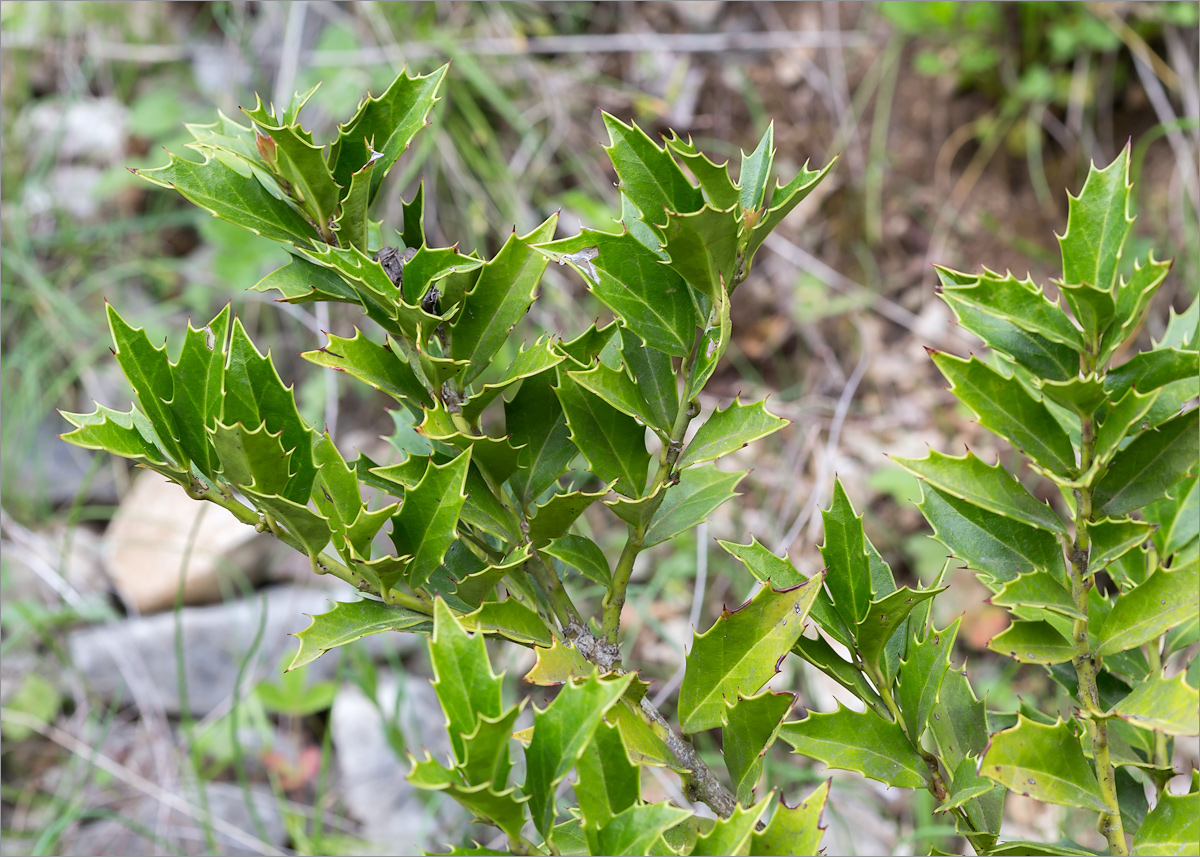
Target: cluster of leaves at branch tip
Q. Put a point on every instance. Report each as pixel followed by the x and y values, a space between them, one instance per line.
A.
pixel 504 446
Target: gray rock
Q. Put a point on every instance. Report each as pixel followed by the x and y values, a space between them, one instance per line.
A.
pixel 396 818
pixel 134 660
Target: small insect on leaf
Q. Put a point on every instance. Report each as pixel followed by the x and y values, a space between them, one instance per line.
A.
pixel 210 339
pixel 583 258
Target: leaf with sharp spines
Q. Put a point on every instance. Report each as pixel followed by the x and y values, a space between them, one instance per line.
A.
pixel 619 390
pixel 714 341
pixel 702 247
pixel 858 741
pixel 1044 762
pixel 302 522
pixel 1122 418
pixel 821 655
pixel 731 835
pixel 1143 471
pixel 301 164
pixel 503 809
pixel 386 124
pixel 512 620
pixel 475 581
pixel 612 442
pixel 990 487
pixel 351 224
pixel 1098 221
pixel 967 785
pixel 529 362
pixel 304 281
pixel 793 829
pixel 1183 329
pixel 585 348
pixel 1019 302
pixel 1035 592
pixel 425 525
pixel 750 727
pixel 582 554
pixel 486 759
pixel 561 733
pixel 1162 705
pixel 127 434
pixel 655 377
pixel 1165 600
pixel 1111 539
pixel 651 299
pixel 558 664
pixel 1032 642
pixel 959 726
pixel 1080 395
pixel 636 830
pixel 701 490
pixel 755 169
pixel 783 199
pixel 845 556
pixel 921 675
pixel 555 516
pixel 729 430
pixel 430 265
pixel 199 376
pixel 496 456
pixel 1172 827
pixel 501 296
pixel 1177 517
pixel 537 425
pixel 609 783
pixel 638 512
pixel 1132 300
pixel 1003 406
pixel 714 178
pixel 339 499
pixel 996 546
pixel 741 651
pixel 233 195
pixel 885 616
pixel 1174 369
pixel 253 458
pixel 648 174
pixel 463 679
pixel 382 366
pixel 1094 308
pixel 348 621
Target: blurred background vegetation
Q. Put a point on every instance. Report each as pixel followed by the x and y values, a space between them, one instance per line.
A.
pixel 959 125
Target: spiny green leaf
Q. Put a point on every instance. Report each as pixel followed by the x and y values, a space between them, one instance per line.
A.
pixel 1097 222
pixel 750 727
pixel 651 299
pixel 1044 762
pixel 486 759
pixel 233 195
pixel 783 199
pixel 494 455
pixel 921 675
pixel 127 434
pixel 462 676
pixel 884 617
pixel 502 295
pixel 794 830
pixel 301 164
pixel 1093 307
pixel 1163 705
pixel 655 377
pixel 1082 395
pixel 618 389
pixel 531 361
pixel 731 835
pixel 413 213
pixel 582 554
pixel 966 785
pixel 348 621
pixel 1132 301
pixel 714 341
pixel 382 366
pixel 351 223
pixel 253 458
pixel 585 348
pixel 702 247
pixel 302 522
pixel 425 524
pixel 1165 600
pixel 386 125
pixel 845 556
pixel 555 516
pixel 1122 418
pixel 1111 539
pixel 729 430
pixel 1172 827
pixel 755 169
pixel 741 651
pixel 1174 371
pixel 987 486
pixel 699 492
pixel 1019 302
pixel 1033 642
pixel 635 830
pixel 503 809
pixel 430 265
pixel 1035 592
pixel 536 425
pixel 1143 471
pixel 1003 406
pixel 714 179
pixel 822 656
pixel 304 281
pixel 858 741
pixel 648 174
pixel 510 619
pixel 557 664
pixel 998 547
pixel 612 442
pixel 608 782
pixel 959 726
pixel 1177 517
pixel 561 732
pixel 199 376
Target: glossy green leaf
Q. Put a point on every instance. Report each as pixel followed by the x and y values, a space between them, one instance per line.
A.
pixel 1026 848
pixel 612 442
pixel 699 492
pixel 652 300
pixel 730 835
pixel 425 525
pixel 1078 394
pixel 463 679
pixel 561 733
pixel 1173 372
pixel 749 731
pixel 1111 539
pixel 430 265
pixel 582 554
pixel 1003 406
pixel 1032 642
pixel 608 782
pixel 302 280
pixel 702 247
pixel 554 517
pixel 740 652
pixel 618 389
pixel 991 544
pixel 302 522
pixel 557 664
pixel 822 655
pixel 386 124
pixel 987 486
pixel 635 830
pixel 351 224
pixel 1163 705
pixel 729 430
pixel 1019 302
pixel 655 378
pixel 1097 222
pixel 301 166
pixel 644 745
pixel 528 363
pixel 253 458
pixel 1045 359
pixel 234 195
pixel 921 675
pixel 1177 517
pixel 382 366
pixel 1094 308
pixel 502 295
pixel 755 170
pixel 1166 599
pixel 793 830
pixel 537 425
pixel 348 621
pixel 884 617
pixel 1037 591
pixel 1122 419
pixel 966 785
pixel 1171 828
pixel 199 376
pixel 858 741
pixel 486 758
pixel 844 552
pixel 127 434
pixel 1132 300
pixel 783 199
pixel 959 726
pixel 1143 471
pixel 714 179
pixel 1044 762
pixel 501 808
pixel 495 456
pixel 714 341
pixel 511 619
pixel 648 174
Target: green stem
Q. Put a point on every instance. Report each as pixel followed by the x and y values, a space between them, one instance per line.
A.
pixel 1162 752
pixel 560 601
pixel 1109 822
